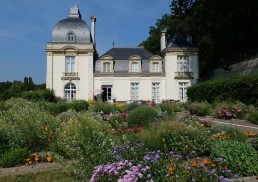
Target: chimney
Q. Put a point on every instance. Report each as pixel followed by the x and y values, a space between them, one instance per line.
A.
pixel 93 21
pixel 163 40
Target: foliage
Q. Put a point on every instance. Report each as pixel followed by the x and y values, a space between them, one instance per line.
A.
pixel 105 108
pixel 131 106
pixel 26 125
pixel 254 143
pixel 199 108
pixel 116 121
pixel 142 116
pixel 240 157
pixel 13 157
pixel 38 95
pixel 168 108
pixel 206 21
pixel 229 110
pixel 254 117
pixel 186 137
pixel 233 88
pixel 87 141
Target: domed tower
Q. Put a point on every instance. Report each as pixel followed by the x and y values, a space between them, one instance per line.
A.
pixel 70 57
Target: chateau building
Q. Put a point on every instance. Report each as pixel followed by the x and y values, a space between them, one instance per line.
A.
pixel 74 71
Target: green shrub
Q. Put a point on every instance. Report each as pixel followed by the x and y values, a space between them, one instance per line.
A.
pixel 241 158
pixel 39 95
pixel 115 121
pixel 229 110
pixel 14 157
pixel 141 116
pixel 167 108
pixel 26 125
pixel 254 143
pixel 233 88
pixel 87 141
pixel 254 117
pixel 131 106
pixel 236 134
pixel 78 105
pixel 199 108
pixel 105 108
pixel 57 108
pixel 4 140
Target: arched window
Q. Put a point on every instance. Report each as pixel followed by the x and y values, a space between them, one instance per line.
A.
pixel 71 37
pixel 106 67
pixel 135 67
pixel 155 67
pixel 70 91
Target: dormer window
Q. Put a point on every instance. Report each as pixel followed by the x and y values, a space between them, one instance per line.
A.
pixel 106 67
pixel 107 64
pixel 71 37
pixel 135 64
pixel 156 64
pixel 135 67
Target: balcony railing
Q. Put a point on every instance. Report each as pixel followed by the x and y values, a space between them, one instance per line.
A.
pixel 183 75
pixel 70 76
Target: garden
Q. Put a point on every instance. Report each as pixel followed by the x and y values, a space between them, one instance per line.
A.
pixel 118 142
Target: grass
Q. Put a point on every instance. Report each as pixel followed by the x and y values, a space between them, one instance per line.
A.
pixel 47 176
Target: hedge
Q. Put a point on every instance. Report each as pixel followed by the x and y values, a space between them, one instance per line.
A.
pixel 242 88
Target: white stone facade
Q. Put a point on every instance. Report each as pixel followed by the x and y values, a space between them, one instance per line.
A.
pixel 73 73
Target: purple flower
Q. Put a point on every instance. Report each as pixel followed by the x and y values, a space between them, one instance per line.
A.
pixel 236 176
pixel 227 180
pixel 228 171
pixel 221 177
pixel 189 168
pixel 167 175
pixel 148 175
pixel 202 165
pixel 220 159
pixel 171 153
pixel 193 180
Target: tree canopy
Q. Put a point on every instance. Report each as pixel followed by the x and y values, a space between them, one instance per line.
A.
pixel 220 29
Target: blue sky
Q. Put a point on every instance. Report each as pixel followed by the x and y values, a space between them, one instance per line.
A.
pixel 26 27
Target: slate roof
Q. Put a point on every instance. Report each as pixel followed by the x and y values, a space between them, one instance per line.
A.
pixel 178 41
pixel 123 53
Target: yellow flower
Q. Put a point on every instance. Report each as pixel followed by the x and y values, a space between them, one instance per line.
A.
pixel 49 159
pixel 36 159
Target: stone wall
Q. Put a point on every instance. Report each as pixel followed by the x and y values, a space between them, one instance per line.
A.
pixel 242 68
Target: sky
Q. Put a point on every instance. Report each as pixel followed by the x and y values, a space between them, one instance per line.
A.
pixel 26 26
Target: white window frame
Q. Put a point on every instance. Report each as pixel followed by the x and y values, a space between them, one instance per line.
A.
pixel 135 67
pixel 155 92
pixel 70 91
pixel 106 67
pixel 183 91
pixel 183 64
pixel 70 64
pixel 135 87
pixel 155 66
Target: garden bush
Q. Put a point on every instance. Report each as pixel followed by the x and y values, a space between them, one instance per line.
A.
pixel 13 157
pixel 78 105
pixel 199 108
pixel 131 106
pixel 229 110
pixel 241 158
pixel 105 108
pixel 116 121
pixel 168 108
pixel 39 95
pixel 87 141
pixel 242 88
pixel 27 126
pixel 142 116
pixel 254 117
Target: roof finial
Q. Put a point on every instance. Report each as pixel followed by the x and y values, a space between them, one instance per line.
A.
pixel 113 43
pixel 76 4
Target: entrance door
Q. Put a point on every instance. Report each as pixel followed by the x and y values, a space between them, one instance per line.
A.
pixel 107 93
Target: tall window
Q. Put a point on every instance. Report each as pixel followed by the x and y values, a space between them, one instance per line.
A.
pixel 106 67
pixel 183 64
pixel 71 37
pixel 155 67
pixel 70 64
pixel 135 67
pixel 156 92
pixel 183 91
pixel 70 91
pixel 134 91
